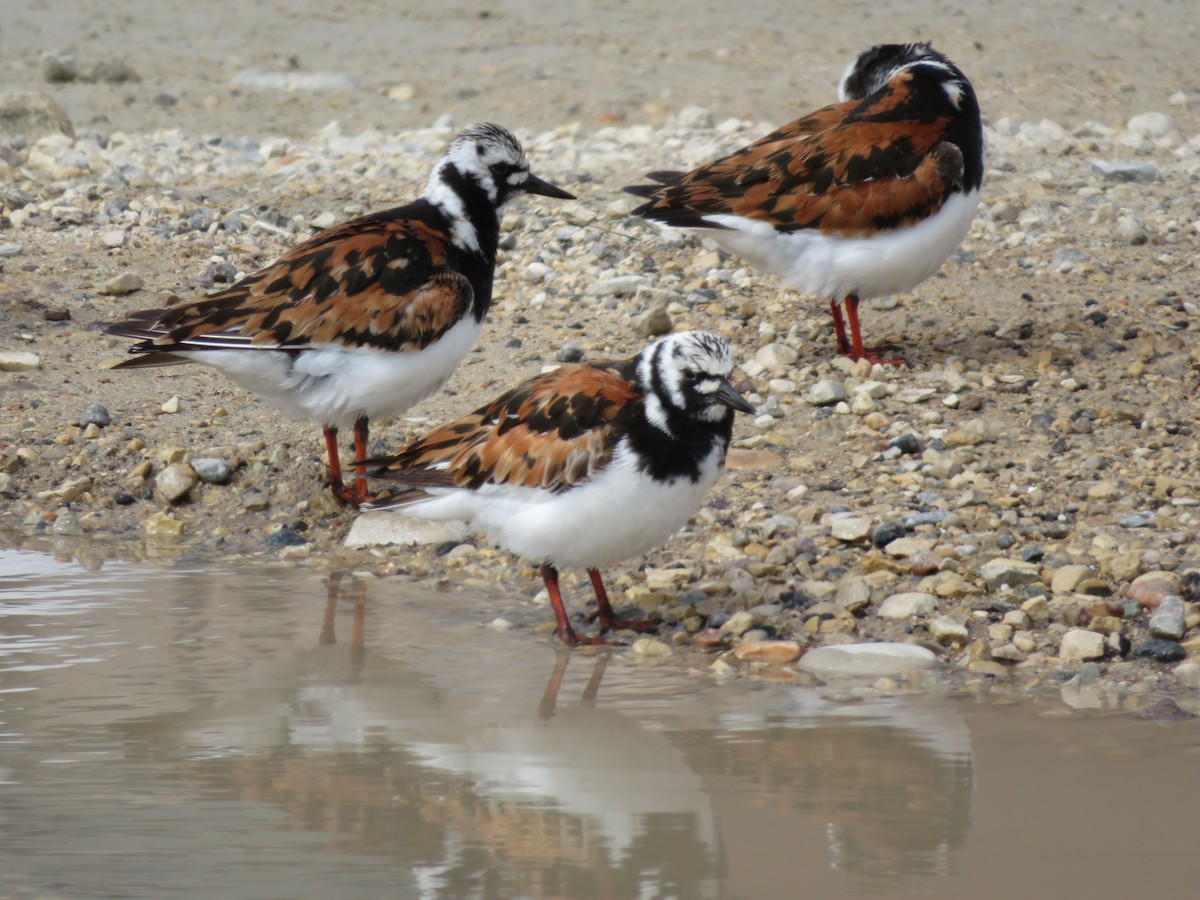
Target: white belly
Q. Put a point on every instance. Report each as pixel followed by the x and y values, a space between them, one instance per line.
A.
pixel 622 513
pixel 833 267
pixel 334 386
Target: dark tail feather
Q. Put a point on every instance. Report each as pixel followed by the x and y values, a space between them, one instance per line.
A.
pixel 150 359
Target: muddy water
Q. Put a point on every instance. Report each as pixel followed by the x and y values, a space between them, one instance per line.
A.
pixel 199 731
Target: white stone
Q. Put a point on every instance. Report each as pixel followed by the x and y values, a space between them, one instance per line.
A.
pixel 907 605
pixel 1079 644
pixel 17 361
pixel 867 660
pixel 775 356
pixel 1011 572
pixel 823 393
pixel 1153 124
pixel 849 528
pixel 380 528
pixel 948 630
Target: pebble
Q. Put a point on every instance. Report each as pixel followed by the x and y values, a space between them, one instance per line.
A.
pixel 1153 124
pixel 1078 645
pixel 867 660
pixel 1151 588
pixel 1160 650
pixel 1125 171
pixel 174 483
pixel 907 605
pixel 620 286
pixel 32 116
pixel 212 470
pixel 771 652
pixel 849 528
pixel 887 532
pixel 1010 572
pixel 777 356
pixel 380 528
pixel 651 648
pixel 570 352
pixel 1169 620
pixel 170 406
pixel 825 393
pixel 96 414
pixel 255 501
pixel 9 249
pixel 125 283
pixel 68 524
pixel 284 537
pixel 268 80
pixel 18 361
pixel 948 631
pixel 115 238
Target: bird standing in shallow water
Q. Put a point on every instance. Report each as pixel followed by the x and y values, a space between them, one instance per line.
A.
pixel 866 197
pixel 365 319
pixel 584 466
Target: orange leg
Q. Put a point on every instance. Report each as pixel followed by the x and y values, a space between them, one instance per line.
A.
pixel 839 328
pixel 564 629
pixel 882 353
pixel 609 620
pixel 358 494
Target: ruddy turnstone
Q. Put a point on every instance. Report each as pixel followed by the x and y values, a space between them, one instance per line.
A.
pixel 858 199
pixel 584 466
pixel 365 319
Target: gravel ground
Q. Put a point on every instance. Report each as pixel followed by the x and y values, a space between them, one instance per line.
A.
pixel 1022 500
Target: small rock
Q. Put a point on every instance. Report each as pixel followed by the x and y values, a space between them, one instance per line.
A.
pixel 60 68
pixel 1151 588
pixel 849 528
pixel 175 482
pixel 380 528
pixel 775 653
pixel 1188 674
pixel 739 623
pixel 1131 231
pixel 948 631
pixel 32 116
pixel 650 647
pixel 284 537
pixel 570 352
pixel 826 392
pixel 125 283
pixel 1078 645
pixel 1067 578
pixel 1169 619
pixel 164 526
pixel 907 605
pixel 1164 710
pixel 255 501
pixel 1011 572
pixel 776 356
pixel 8 250
pixel 867 660
pixel 96 414
pixel 114 238
pixel 1152 124
pixel 17 361
pixel 171 406
pixel 68 524
pixel 887 532
pixel 619 286
pixel 212 469
pixel 654 322
pixel 1160 650
pixel 1125 171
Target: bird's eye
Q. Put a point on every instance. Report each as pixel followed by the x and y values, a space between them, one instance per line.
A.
pixel 501 169
pixel 691 376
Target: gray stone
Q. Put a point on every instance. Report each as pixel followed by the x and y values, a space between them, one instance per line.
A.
pixel 68 524
pixel 255 501
pixel 9 249
pixel 1125 171
pixel 60 68
pixel 570 352
pixel 867 660
pixel 1079 644
pixel 824 393
pixel 381 527
pixel 654 322
pixel 1011 572
pixel 907 605
pixel 212 469
pixel 1065 259
pixel 175 482
pixel 619 286
pixel 32 116
pixel 1169 619
pixel 96 414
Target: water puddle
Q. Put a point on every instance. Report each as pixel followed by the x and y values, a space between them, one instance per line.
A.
pixel 263 732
